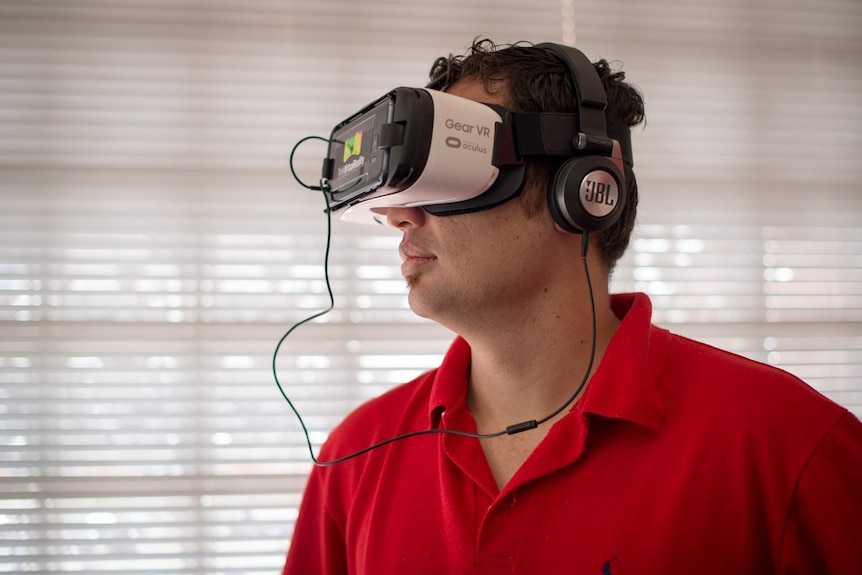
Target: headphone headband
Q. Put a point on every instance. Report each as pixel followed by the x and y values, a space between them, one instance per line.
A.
pixel 588 192
pixel 590 97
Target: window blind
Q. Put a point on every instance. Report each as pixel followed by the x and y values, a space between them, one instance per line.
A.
pixel 749 235
pixel 154 247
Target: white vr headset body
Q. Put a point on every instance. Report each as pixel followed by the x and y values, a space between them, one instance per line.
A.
pixel 456 164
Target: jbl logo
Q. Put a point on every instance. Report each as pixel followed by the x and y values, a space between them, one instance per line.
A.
pixel 599 192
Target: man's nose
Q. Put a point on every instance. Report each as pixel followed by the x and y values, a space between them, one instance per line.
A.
pixel 403 218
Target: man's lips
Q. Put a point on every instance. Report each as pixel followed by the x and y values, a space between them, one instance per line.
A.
pixel 413 258
pixel 408 251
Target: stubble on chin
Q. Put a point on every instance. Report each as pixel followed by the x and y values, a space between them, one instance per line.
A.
pixel 414 300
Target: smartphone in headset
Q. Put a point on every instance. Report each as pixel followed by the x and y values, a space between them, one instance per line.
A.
pixel 427 146
pixel 356 163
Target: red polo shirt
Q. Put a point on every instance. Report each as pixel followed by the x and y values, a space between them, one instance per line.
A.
pixel 679 459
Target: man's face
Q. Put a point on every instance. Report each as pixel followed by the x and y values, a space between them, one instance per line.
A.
pixel 474 267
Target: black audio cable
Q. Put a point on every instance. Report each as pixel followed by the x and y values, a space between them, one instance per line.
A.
pixel 510 430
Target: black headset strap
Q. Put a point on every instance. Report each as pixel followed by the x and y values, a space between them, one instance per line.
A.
pixel 623 134
pixel 553 134
pixel 550 134
pixel 590 97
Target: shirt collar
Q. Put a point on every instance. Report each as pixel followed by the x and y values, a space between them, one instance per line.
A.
pixel 450 381
pixel 624 386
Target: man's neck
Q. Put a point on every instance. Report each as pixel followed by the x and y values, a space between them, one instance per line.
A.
pixel 529 371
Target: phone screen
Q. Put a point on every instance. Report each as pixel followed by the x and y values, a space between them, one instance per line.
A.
pixel 358 163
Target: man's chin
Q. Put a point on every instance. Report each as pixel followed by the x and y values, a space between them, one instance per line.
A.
pixel 417 301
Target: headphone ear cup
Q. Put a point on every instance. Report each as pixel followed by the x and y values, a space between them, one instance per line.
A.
pixel 587 194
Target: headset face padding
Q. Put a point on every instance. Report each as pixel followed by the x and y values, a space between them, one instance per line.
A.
pixel 588 192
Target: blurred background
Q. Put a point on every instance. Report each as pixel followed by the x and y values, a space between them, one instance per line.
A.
pixel 154 246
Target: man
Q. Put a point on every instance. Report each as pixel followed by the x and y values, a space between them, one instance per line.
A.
pixel 675 458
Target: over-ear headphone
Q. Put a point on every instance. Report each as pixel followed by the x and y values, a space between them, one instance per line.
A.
pixel 588 192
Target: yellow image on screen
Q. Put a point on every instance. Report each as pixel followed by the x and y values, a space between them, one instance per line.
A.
pixel 353 146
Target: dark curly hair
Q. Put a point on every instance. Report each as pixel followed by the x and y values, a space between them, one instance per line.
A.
pixel 535 80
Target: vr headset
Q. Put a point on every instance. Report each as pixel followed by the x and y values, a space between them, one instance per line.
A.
pixel 451 155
